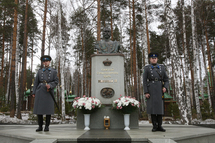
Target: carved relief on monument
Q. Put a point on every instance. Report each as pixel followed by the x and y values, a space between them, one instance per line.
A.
pixel 107 92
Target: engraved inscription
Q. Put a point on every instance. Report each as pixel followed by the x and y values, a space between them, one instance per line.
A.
pixel 107 72
pixel 107 81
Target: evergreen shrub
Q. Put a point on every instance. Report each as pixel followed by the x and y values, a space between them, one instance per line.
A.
pixel 205 110
pixel 173 109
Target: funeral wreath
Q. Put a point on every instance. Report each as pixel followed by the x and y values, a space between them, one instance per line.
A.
pixel 126 104
pixel 86 105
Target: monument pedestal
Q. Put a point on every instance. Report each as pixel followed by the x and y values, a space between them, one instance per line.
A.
pixel 116 119
pixel 107 80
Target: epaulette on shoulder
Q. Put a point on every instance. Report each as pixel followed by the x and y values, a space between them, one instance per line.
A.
pixel 148 65
pixel 160 64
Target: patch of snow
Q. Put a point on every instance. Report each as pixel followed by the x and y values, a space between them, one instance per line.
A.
pixel 208 121
pixel 195 121
pixel 172 122
pixel 6 119
pixel 143 122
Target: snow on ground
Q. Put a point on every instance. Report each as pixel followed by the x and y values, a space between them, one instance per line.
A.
pixel 6 119
pixel 143 122
pixel 207 121
pixel 32 119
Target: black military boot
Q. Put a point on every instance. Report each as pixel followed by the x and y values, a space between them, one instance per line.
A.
pixel 40 123
pixel 154 123
pixel 48 118
pixel 160 128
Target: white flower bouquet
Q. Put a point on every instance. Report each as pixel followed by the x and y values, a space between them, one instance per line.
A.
pixel 86 104
pixel 126 104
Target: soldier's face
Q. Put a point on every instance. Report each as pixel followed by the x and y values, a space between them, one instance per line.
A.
pixel 153 60
pixel 46 63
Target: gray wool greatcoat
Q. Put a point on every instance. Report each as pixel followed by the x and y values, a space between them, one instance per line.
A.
pixel 43 103
pixel 153 84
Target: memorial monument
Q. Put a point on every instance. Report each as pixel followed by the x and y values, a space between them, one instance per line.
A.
pixel 107 84
pixel 107 70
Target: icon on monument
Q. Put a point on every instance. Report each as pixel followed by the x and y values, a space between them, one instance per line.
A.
pixel 107 92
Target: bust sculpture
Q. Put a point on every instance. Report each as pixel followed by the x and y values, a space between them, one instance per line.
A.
pixel 106 46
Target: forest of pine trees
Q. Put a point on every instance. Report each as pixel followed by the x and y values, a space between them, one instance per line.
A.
pixel 182 32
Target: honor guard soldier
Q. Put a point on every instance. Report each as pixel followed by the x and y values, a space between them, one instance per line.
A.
pixel 156 83
pixel 45 82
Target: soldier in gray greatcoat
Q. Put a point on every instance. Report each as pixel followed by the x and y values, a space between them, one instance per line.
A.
pixel 45 82
pixel 156 83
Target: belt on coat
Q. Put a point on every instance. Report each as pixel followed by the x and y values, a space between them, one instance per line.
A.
pixel 155 79
pixel 44 82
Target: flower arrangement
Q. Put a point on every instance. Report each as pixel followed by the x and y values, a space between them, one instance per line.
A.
pixel 87 105
pixel 126 104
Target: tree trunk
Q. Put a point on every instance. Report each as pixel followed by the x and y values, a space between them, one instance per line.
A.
pixel 144 46
pixel 44 31
pixel 134 52
pixel 176 64
pixel 200 74
pixel 186 70
pixel 192 81
pixel 206 71
pixel 12 77
pixel 196 93
pixel 59 76
pixel 17 67
pixel 2 60
pixel 90 78
pixel 131 52
pixel 87 80
pixel 98 21
pixel 62 58
pixel 147 29
pixel 84 59
pixel 145 38
pixel 111 20
pixel 209 64
pixel 8 88
pixel 24 61
pixel 79 78
pixel 137 80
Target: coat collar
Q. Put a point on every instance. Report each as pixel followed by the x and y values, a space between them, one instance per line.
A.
pixel 156 66
pixel 44 69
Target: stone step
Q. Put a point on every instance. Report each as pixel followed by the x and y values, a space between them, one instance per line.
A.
pixel 44 141
pixel 161 141
pixel 104 136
